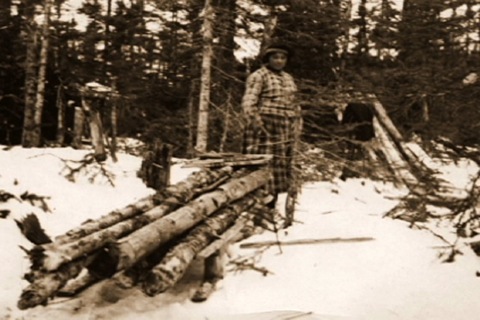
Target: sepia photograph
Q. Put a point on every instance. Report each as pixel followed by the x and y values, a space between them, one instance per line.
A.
pixel 239 159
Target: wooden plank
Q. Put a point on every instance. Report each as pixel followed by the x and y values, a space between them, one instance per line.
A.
pixel 261 244
pixel 237 160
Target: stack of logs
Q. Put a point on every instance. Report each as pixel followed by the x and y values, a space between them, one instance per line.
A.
pixel 156 237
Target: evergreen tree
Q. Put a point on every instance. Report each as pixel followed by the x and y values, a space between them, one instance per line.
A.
pixel 11 75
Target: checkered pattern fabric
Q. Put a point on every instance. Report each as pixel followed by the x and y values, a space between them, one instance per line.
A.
pixel 270 92
pixel 275 138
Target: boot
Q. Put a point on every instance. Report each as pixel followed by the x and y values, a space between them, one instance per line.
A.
pixel 272 204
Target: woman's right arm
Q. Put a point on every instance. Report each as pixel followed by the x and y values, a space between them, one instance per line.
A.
pixel 251 97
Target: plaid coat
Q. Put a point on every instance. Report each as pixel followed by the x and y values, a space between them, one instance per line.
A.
pixel 271 95
pixel 270 92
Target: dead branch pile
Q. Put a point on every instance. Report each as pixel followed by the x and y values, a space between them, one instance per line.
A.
pixel 427 193
pixel 430 198
pixel 157 237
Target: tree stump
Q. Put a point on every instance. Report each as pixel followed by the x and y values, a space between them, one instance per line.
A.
pixel 213 272
pixel 96 128
pixel 79 122
pixel 155 169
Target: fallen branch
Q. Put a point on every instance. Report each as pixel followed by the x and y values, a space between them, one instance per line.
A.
pixel 83 164
pixel 244 265
pixel 5 196
pixel 249 262
pixel 36 200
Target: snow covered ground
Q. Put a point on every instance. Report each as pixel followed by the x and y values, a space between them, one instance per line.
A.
pixel 397 274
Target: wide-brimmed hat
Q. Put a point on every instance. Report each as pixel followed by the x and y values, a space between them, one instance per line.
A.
pixel 275 48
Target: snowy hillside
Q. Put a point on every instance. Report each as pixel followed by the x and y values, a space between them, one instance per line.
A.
pixel 368 267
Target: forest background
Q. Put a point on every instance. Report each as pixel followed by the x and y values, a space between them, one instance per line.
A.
pixel 166 60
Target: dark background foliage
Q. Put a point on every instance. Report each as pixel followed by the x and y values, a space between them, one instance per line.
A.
pixel 410 57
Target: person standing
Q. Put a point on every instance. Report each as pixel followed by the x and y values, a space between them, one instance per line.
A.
pixel 272 116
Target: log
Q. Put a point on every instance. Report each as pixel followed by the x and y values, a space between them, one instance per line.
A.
pixel 179 190
pixel 173 266
pixel 91 226
pixel 129 250
pixel 46 285
pixel 74 286
pixel 231 235
pixel 51 256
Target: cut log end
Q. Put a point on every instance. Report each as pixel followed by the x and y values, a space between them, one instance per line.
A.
pixel 53 260
pixel 105 263
pixel 154 284
pixel 30 299
pixel 125 280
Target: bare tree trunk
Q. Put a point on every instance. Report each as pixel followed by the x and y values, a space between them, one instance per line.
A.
pixel 191 120
pixel 226 122
pixel 114 120
pixel 113 132
pixel 42 74
pixel 203 110
pixel 78 127
pixel 362 49
pixel 106 50
pixel 28 133
pixel 6 40
pixel 60 115
pixel 345 15
pixel 425 110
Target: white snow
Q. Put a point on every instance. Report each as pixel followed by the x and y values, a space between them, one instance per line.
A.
pixel 396 275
